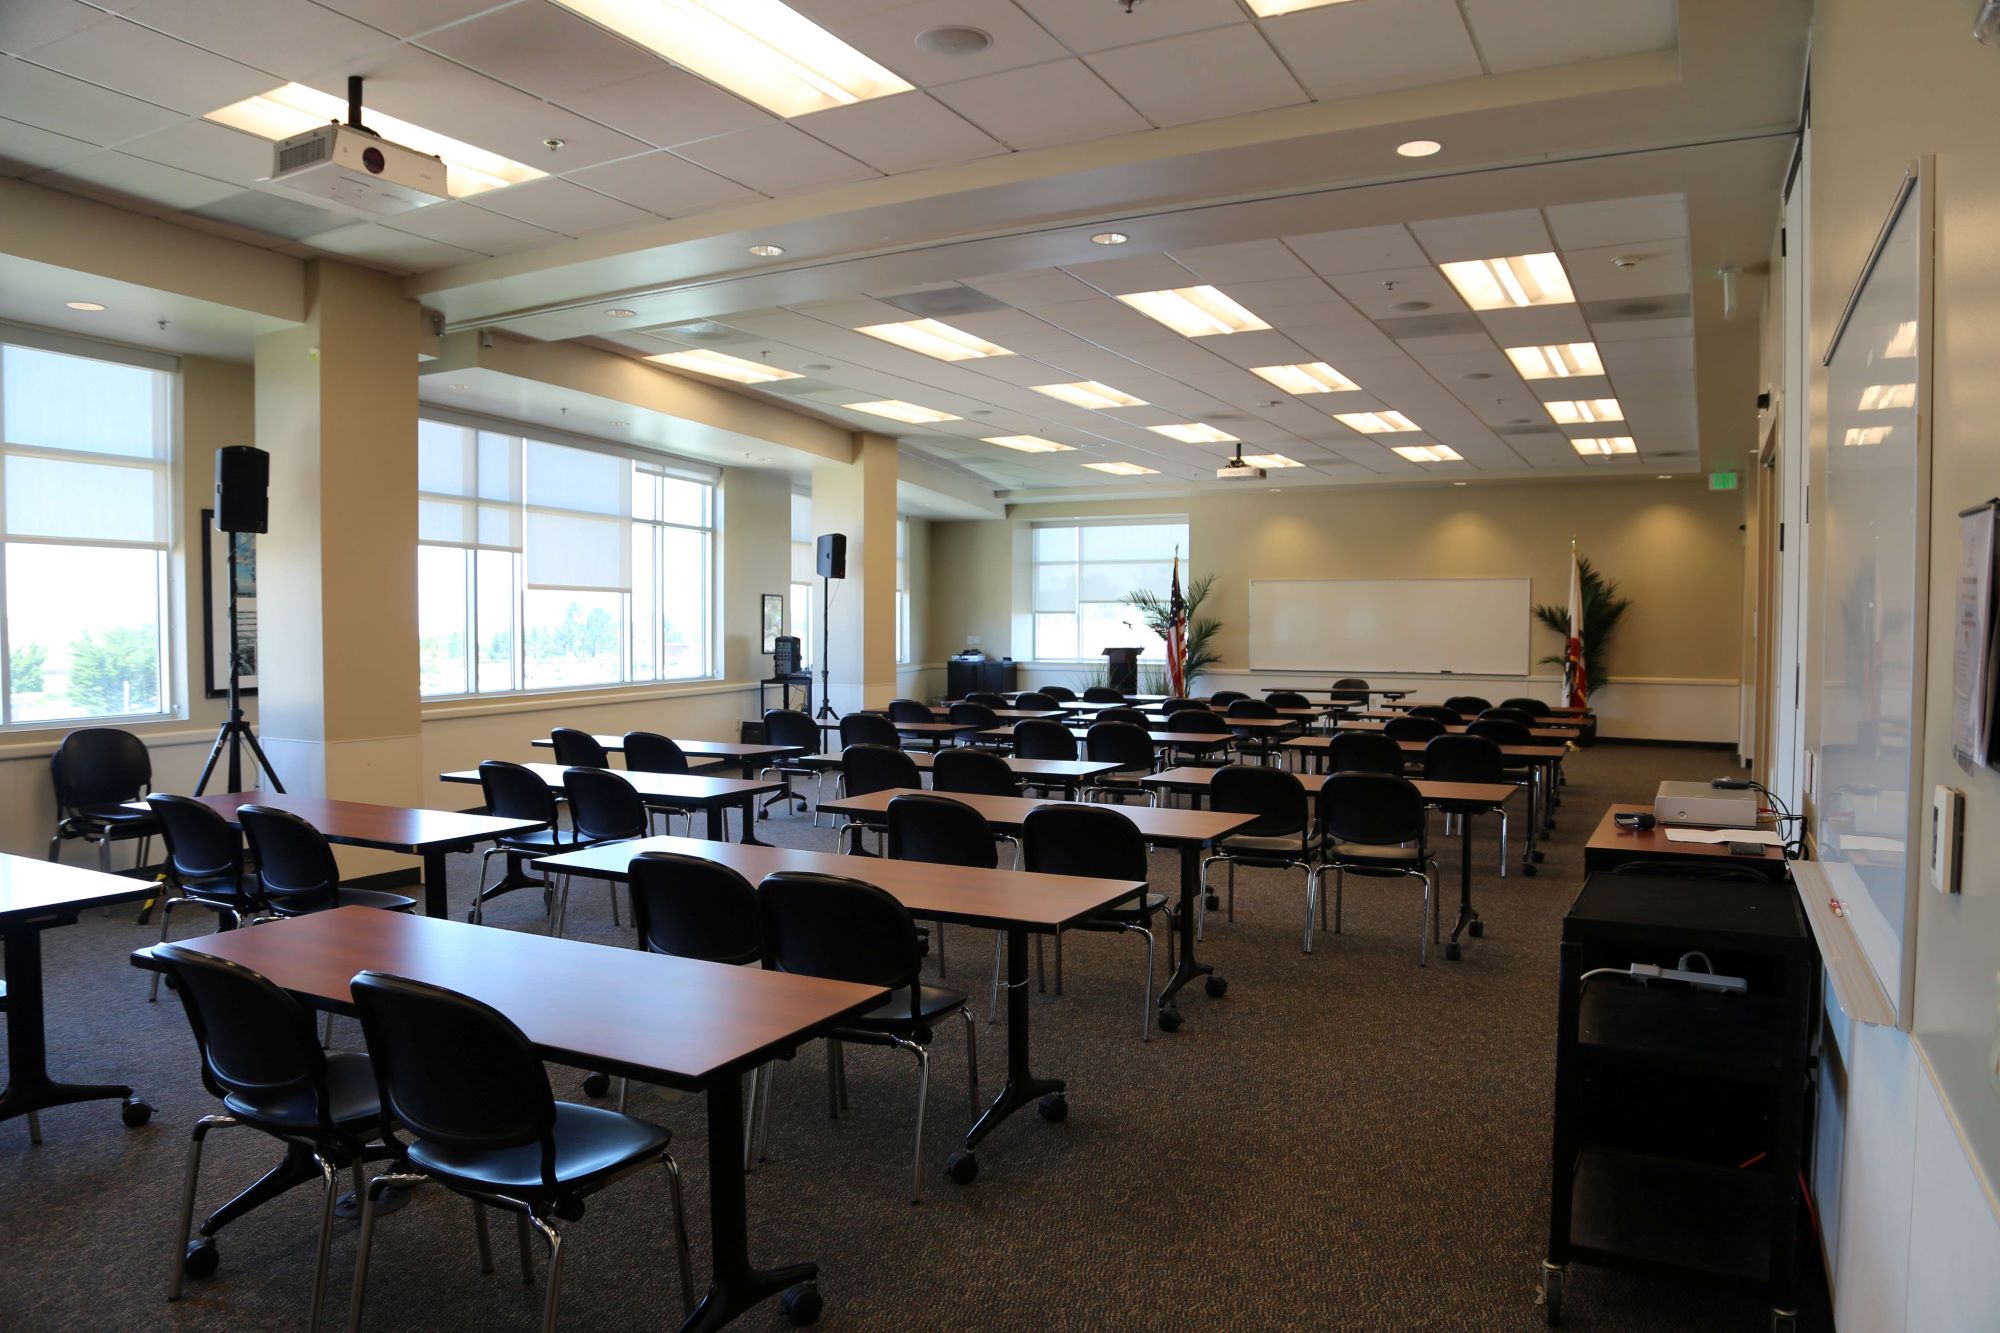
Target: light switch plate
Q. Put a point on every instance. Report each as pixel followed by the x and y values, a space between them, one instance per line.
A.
pixel 1947 837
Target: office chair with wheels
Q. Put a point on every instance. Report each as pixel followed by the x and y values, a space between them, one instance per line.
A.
pixel 796 730
pixel 513 791
pixel 1469 704
pixel 578 749
pixel 96 772
pixel 603 807
pixel 1280 836
pixel 873 768
pixel 1099 843
pixel 1103 694
pixel 1470 758
pixel 1062 694
pixel 1364 752
pixel 204 866
pixel 296 869
pixel 829 926
pixel 1128 746
pixel 470 1092
pixel 1200 721
pixel 1373 825
pixel 1043 738
pixel 261 1060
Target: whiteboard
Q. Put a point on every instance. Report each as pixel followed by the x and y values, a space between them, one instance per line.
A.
pixel 1391 626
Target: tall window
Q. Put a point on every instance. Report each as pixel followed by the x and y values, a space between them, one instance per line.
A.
pixel 799 606
pixel 552 566
pixel 85 451
pixel 1080 574
pixel 902 589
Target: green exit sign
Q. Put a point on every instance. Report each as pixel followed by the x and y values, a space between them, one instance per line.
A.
pixel 1722 481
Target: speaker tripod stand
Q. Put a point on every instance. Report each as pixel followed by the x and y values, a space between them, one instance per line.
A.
pixel 235 732
pixel 826 709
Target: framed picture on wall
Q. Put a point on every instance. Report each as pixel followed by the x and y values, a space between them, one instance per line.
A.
pixel 773 622
pixel 215 607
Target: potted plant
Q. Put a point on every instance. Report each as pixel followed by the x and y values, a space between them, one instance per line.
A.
pixel 1157 611
pixel 1602 609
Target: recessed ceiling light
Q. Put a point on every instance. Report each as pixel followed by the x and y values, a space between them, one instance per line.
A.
pixel 1197 312
pixel 1375 423
pixel 1090 394
pixel 954 41
pixel 1265 9
pixel 295 109
pixel 1271 460
pixel 934 338
pixel 1312 377
pixel 621 314
pixel 1109 238
pixel 1418 148
pixel 1027 444
pixel 1124 469
pixel 1194 432
pixel 1428 453
pixel 90 306
pixel 897 410
pixel 1510 281
pixel 1556 361
pixel 1410 307
pixel 761 50
pixel 1585 410
pixel 1615 444
pixel 723 366
pixel 767 251
pixel 1477 375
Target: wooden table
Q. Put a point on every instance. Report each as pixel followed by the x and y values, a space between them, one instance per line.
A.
pixel 1334 689
pixel 36 896
pixel 430 834
pixel 1190 831
pixel 1068 774
pixel 1183 740
pixel 1013 901
pixel 680 791
pixel 1005 714
pixel 935 732
pixel 590 1007
pixel 1377 722
pixel 1611 846
pixel 745 758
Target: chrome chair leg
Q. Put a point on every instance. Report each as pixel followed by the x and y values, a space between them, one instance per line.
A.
pixel 686 1260
pixel 480 1234
pixel 524 1245
pixel 971 1060
pixel 1503 842
pixel 368 1199
pixel 993 995
pixel 1312 894
pixel 923 1095
pixel 764 1113
pixel 1424 937
pixel 1146 994
pixel 554 1294
pixel 329 1191
pixel 167 901
pixel 201 1128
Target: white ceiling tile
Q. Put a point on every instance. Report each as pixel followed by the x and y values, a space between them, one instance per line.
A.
pixel 1537 325
pixel 1377 295
pixel 1250 261
pixel 1060 102
pixel 290 38
pixel 1048 286
pixel 1359 249
pixel 562 206
pixel 26 25
pixel 1653 217
pixel 906 132
pixel 890 36
pixel 1625 330
pixel 1639 355
pixel 543 49
pixel 1342 342
pixel 1662 270
pixel 1352 49
pixel 25 149
pixel 156 68
pixel 662 183
pixel 1185 358
pixel 207 148
pixel 1133 273
pixel 373 241
pixel 824 12
pixel 469 227
pixel 776 159
pixel 1306 300
pixel 1483 236
pixel 117 176
pixel 1264 348
pixel 73 107
pixel 1106 320
pixel 668 107
pixel 1514 36
pixel 407 18
pixel 1095 27
pixel 1200 76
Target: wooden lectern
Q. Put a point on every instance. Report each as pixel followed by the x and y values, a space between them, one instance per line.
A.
pixel 1122 669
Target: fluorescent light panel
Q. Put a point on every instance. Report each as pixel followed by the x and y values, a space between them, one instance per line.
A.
pixel 1429 453
pixel 1271 460
pixel 1027 444
pixel 934 338
pixel 761 50
pixel 1312 377
pixel 1582 411
pixel 1124 469
pixel 1882 397
pixel 1605 447
pixel 897 410
pixel 1375 423
pixel 1510 281
pixel 723 366
pixel 295 108
pixel 1556 361
pixel 1089 394
pixel 1265 9
pixel 1194 432
pixel 1197 312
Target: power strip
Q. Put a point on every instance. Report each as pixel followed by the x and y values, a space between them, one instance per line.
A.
pixel 1708 981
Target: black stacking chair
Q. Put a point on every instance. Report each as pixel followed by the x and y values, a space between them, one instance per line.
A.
pixel 1036 701
pixel 1373 825
pixel 1263 742
pixel 603 807
pixel 977 771
pixel 872 768
pixel 940 831
pixel 1451 717
pixel 790 727
pixel 1365 752
pixel 578 749
pixel 260 1058
pixel 296 869
pixel 514 791
pixel 1203 721
pixel 1501 731
pixel 1092 841
pixel 1179 703
pixel 1102 694
pixel 986 697
pixel 869 729
pixel 1122 713
pixel 1412 728
pixel 1279 839
pixel 1043 738
pixel 1532 707
pixel 978 715
pixel 1351 691
pixel 1226 697
pixel 471 1095
pixel 1470 758
pixel 204 866
pixel 1287 699
pixel 829 926
pixel 1128 746
pixel 650 752
pixel 1062 694
pixel 1469 704
pixel 1506 715
pixel 905 711
pixel 96 772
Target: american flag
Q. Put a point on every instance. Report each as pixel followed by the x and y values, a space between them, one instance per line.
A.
pixel 1177 634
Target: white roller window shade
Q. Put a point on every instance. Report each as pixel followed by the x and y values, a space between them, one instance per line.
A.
pixel 86 445
pixel 579 511
pixel 468 488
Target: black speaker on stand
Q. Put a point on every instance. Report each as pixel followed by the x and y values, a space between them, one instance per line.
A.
pixel 832 565
pixel 242 504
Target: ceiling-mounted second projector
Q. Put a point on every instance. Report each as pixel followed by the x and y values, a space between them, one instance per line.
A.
pixel 353 167
pixel 1238 470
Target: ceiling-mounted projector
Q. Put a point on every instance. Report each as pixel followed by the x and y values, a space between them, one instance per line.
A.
pixel 1238 470
pixel 353 167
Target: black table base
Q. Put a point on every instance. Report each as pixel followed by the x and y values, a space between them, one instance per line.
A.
pixel 29 1087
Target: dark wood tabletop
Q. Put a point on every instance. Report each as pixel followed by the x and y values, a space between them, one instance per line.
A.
pixel 1006 813
pixel 1553 710
pixel 1060 769
pixel 1185 739
pixel 690 789
pixel 1544 733
pixel 1484 794
pixel 1610 844
pixel 936 728
pixel 974 896
pixel 1005 714
pixel 1538 753
pixel 390 828
pixel 625 1011
pixel 734 751
pixel 32 888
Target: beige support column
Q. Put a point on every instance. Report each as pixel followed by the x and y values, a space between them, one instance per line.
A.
pixel 337 573
pixel 859 499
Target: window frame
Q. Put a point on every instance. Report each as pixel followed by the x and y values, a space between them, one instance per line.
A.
pixel 1078 563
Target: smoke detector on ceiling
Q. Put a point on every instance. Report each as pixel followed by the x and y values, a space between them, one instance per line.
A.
pixel 954 41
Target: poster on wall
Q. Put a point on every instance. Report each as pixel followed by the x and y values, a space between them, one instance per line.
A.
pixel 1972 665
pixel 215 607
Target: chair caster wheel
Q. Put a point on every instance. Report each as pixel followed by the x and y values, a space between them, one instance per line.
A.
pixel 597 1084
pixel 1213 902
pixel 1217 987
pixel 802 1304
pixel 1528 868
pixel 1054 1108
pixel 201 1259
pixel 1451 953
pixel 1477 929
pixel 135 1113
pixel 1170 1020
pixel 1552 1295
pixel 1538 856
pixel 962 1167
